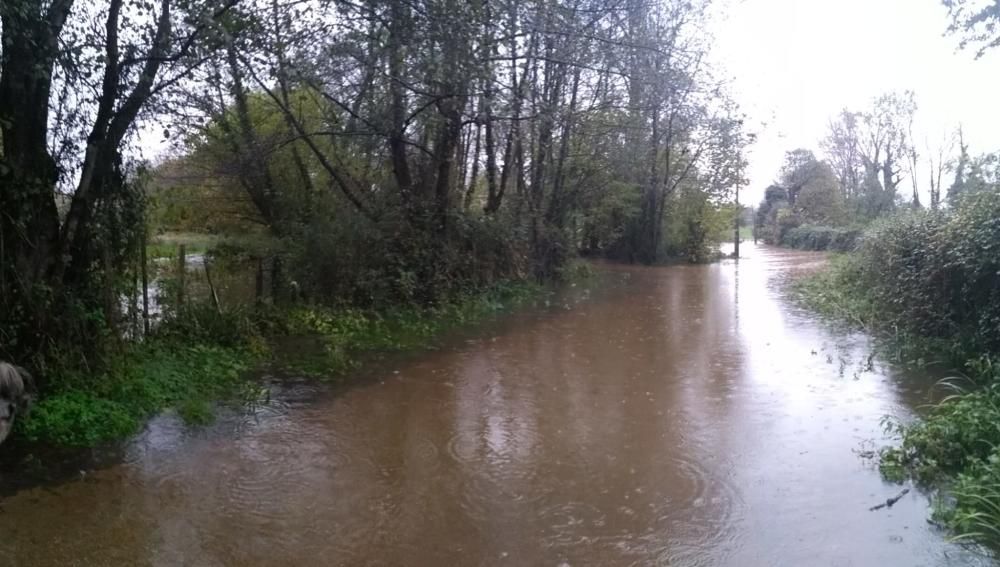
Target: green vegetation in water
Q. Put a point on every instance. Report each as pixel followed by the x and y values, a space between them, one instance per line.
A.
pixel 925 284
pixel 956 447
pixel 200 357
pixel 347 334
pixel 147 379
pixel 193 360
pixel 320 223
pixel 576 271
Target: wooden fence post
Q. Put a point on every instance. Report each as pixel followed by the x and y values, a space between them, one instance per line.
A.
pixel 145 286
pixel 211 287
pixel 182 272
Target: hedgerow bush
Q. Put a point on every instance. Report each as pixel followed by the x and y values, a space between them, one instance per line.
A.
pixel 937 274
pixel 930 282
pixel 813 237
pixel 364 265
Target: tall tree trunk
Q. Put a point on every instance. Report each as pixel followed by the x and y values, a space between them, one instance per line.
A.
pixel 255 175
pixel 29 221
pixel 397 106
pixel 513 157
pixel 470 191
pixel 555 215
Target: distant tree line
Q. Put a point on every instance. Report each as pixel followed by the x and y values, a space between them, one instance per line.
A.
pixel 867 156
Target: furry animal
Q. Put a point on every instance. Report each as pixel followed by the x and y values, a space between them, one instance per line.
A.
pixel 16 394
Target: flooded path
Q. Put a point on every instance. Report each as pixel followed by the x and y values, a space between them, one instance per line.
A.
pixel 686 415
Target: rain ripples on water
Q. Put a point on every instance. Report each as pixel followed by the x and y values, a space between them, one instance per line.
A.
pixel 684 415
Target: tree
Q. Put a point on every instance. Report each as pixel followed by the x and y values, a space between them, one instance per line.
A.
pixel 961 168
pixel 807 192
pixel 977 23
pixel 50 57
pixel 768 212
pixel 820 200
pixel 938 161
pixel 448 132
pixel 869 151
pixel 842 147
pixel 496 95
pixel 799 169
pixel 981 174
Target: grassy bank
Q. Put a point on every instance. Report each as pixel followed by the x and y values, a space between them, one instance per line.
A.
pixel 201 357
pixel 347 335
pixel 146 380
pixel 926 286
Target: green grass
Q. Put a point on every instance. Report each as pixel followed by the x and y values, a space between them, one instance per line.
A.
pixel 199 358
pixel 835 291
pixel 576 271
pixel 955 446
pixel 85 411
pixel 348 334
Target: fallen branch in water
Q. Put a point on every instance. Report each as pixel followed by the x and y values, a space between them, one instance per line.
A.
pixel 888 503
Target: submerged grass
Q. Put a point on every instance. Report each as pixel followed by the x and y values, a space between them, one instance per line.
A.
pixel 86 411
pixel 201 356
pixel 347 334
pixel 956 448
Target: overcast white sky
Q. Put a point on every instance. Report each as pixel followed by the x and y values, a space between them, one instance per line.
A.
pixel 796 63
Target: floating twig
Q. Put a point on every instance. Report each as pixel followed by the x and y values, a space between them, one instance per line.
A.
pixel 888 503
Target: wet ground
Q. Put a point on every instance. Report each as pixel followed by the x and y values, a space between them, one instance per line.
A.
pixel 684 415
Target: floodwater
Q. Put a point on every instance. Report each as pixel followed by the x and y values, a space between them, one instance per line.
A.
pixel 683 416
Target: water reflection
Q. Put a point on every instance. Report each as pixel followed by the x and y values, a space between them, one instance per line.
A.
pixel 685 415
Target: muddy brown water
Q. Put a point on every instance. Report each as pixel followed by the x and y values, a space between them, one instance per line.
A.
pixel 685 415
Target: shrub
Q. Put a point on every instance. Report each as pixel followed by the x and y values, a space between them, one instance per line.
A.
pixel 938 274
pixel 959 432
pixel 837 292
pixel 930 280
pixel 366 265
pixel 959 442
pixel 812 237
